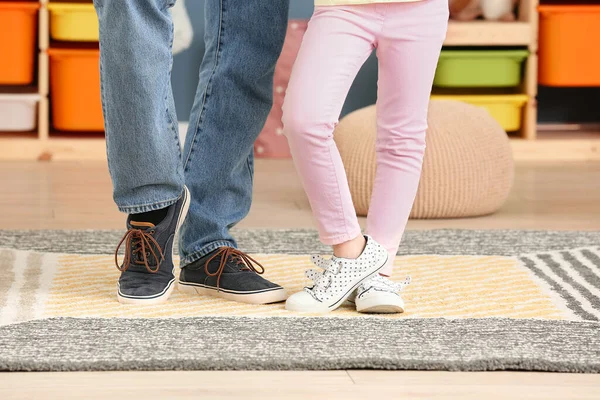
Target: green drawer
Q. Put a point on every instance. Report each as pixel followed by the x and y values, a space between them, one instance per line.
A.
pixel 480 68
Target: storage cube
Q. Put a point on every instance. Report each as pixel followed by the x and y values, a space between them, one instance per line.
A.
pixel 506 109
pixel 75 89
pixel 569 53
pixel 18 112
pixel 480 68
pixel 73 22
pixel 18 30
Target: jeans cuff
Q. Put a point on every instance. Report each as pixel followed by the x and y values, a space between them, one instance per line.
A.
pixel 195 256
pixel 141 208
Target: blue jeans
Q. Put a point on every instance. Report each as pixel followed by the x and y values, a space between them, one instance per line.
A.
pixel 148 167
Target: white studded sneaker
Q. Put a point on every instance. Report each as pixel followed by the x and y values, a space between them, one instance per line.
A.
pixel 339 278
pixel 379 295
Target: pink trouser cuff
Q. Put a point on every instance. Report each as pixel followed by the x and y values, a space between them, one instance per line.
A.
pixel 339 239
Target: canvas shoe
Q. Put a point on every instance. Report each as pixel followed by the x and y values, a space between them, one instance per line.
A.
pixel 147 271
pixel 230 274
pixel 339 278
pixel 379 294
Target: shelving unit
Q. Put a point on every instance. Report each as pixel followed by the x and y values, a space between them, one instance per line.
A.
pixel 22 145
pixel 43 146
pixel 521 33
pixel 40 145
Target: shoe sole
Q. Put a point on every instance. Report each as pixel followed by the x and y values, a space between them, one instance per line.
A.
pixel 261 297
pixel 325 308
pixel 161 298
pixel 380 304
pixel 381 309
pixel 158 299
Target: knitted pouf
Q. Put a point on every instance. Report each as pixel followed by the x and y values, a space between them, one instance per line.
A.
pixel 468 168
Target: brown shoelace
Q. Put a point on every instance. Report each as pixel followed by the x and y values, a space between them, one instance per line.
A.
pixel 239 257
pixel 142 241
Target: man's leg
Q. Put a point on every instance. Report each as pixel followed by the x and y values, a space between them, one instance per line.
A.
pixel 243 42
pixel 144 154
pixel 142 140
pixel 234 96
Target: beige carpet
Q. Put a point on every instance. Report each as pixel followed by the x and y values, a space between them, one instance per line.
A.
pixel 69 285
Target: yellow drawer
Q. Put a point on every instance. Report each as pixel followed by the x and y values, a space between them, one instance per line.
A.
pixel 505 108
pixel 76 22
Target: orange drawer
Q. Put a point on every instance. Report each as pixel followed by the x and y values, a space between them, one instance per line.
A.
pixel 18 30
pixel 569 48
pixel 75 90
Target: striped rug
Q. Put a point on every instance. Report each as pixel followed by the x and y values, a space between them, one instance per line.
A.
pixel 509 283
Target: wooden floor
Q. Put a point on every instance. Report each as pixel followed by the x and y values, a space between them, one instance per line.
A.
pixel 72 195
pixel 291 385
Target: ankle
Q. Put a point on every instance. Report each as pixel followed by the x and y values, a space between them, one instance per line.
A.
pixel 351 249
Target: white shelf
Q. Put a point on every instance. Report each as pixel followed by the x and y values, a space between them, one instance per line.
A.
pixel 486 33
pixel 19 147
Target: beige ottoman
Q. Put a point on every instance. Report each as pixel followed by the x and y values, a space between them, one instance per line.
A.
pixel 468 168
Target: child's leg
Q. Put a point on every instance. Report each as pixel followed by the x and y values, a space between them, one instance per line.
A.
pixel 408 51
pixel 338 41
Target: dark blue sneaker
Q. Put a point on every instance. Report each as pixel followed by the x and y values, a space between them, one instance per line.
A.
pixel 147 271
pixel 230 274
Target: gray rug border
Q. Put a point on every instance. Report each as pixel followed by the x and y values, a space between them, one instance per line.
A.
pixel 558 346
pixel 302 241
pixel 306 343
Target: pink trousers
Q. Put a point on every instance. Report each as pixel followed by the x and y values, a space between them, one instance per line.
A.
pixel 408 38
